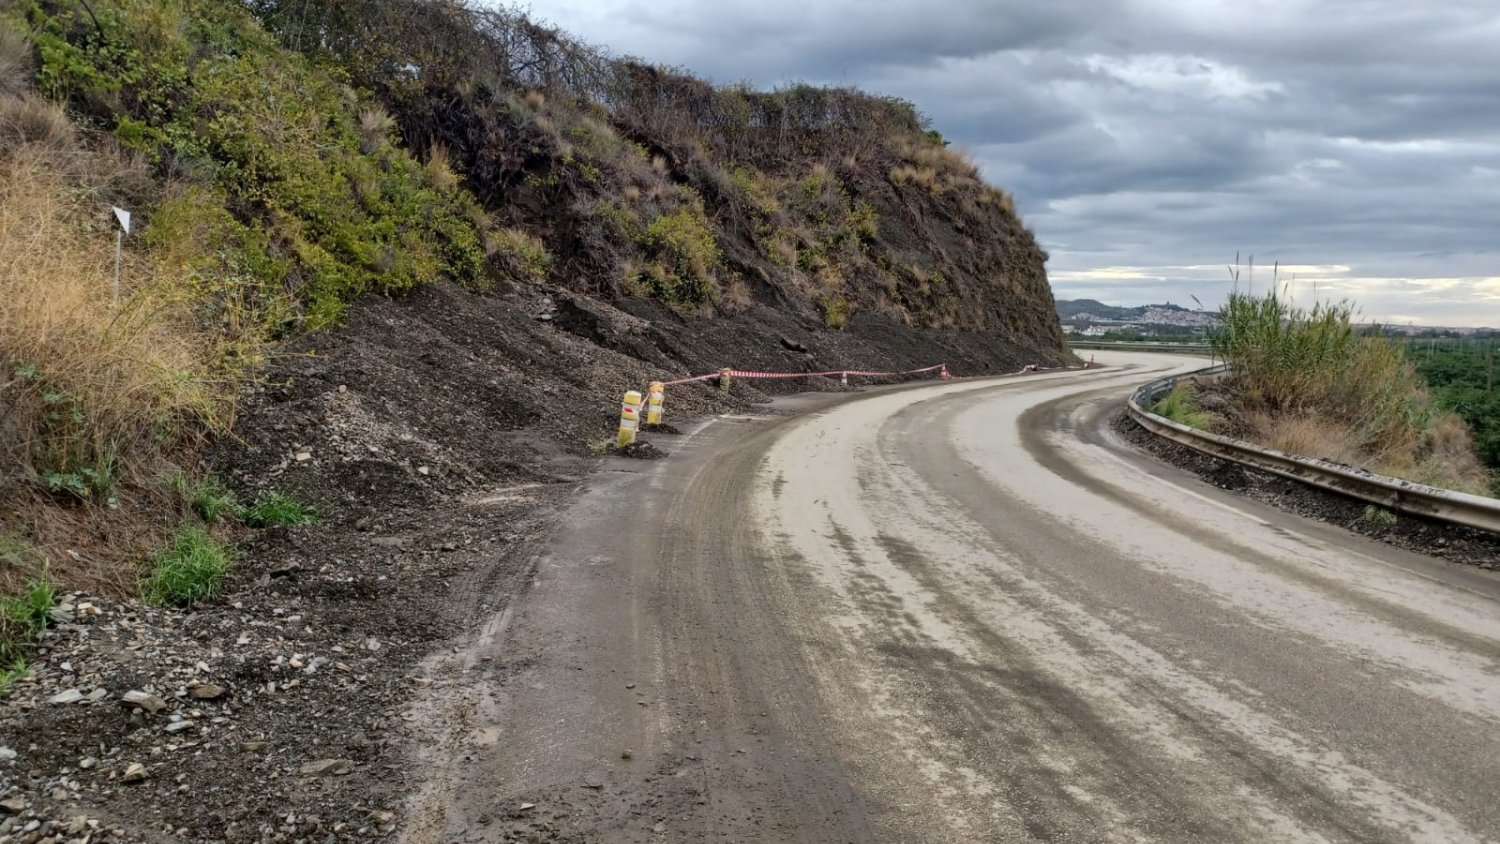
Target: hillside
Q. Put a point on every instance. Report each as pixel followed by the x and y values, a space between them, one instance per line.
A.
pixel 391 266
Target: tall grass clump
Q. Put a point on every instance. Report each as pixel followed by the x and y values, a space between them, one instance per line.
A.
pixel 1294 367
pixel 189 569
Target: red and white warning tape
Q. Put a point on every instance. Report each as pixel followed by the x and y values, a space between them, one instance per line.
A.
pixel 750 373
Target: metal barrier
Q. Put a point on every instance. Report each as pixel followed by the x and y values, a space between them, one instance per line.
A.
pixel 1461 508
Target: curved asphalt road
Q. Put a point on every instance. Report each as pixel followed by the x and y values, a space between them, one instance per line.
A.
pixel 963 612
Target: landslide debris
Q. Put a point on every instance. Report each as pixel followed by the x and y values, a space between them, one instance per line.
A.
pixel 392 266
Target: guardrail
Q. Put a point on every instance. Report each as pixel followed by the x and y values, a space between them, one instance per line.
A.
pixel 1459 508
pixel 1177 348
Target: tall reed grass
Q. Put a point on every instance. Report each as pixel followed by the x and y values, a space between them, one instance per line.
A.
pixel 1309 376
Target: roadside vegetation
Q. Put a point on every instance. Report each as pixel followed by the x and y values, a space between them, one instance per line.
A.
pixel 1462 375
pixel 1306 381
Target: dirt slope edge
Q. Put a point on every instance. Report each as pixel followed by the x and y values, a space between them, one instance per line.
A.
pixel 438 436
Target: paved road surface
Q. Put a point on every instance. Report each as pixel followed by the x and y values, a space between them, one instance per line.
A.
pixel 964 612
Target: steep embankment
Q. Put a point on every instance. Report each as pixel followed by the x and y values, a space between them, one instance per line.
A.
pixel 392 262
pixel 284 160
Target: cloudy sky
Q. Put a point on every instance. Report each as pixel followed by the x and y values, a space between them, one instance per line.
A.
pixel 1357 142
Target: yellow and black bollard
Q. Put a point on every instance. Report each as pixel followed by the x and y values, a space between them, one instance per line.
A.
pixel 630 418
pixel 655 396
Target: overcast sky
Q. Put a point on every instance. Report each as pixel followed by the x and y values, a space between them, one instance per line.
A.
pixel 1355 141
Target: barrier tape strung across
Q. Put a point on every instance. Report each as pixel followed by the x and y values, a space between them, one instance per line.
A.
pixel 630 412
pixel 750 373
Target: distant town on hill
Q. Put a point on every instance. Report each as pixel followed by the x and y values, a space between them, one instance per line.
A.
pixel 1092 318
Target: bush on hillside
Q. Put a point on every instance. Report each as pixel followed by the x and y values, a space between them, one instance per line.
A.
pixel 201 89
pixel 1305 380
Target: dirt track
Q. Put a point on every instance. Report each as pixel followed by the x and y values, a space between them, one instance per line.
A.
pixel 961 612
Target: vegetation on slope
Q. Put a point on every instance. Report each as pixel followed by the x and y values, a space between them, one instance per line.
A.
pixel 283 159
pixel 1306 382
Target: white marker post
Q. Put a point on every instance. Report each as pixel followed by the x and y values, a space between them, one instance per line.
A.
pixel 123 217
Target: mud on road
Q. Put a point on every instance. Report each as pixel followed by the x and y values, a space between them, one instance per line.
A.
pixel 962 612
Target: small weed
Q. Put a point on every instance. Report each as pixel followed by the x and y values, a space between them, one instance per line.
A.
pixel 209 498
pixel 22 618
pixel 30 608
pixel 189 569
pixel 10 673
pixel 275 508
pixel 1377 516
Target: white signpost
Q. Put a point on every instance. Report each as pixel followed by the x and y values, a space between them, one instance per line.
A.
pixel 123 217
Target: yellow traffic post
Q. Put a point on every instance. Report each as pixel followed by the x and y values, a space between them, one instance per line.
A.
pixel 724 379
pixel 655 395
pixel 630 418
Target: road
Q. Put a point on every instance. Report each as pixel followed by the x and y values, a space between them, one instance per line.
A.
pixel 962 612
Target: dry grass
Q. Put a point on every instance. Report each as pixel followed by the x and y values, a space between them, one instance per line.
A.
pixel 1307 436
pixel 92 389
pixel 28 120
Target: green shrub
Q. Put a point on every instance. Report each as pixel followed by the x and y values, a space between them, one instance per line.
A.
pixel 290 149
pixel 189 569
pixel 685 255
pixel 275 508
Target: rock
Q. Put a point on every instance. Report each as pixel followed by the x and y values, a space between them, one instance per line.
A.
pixel 97 695
pixel 303 456
pixel 625 754
pixel 69 696
pixel 593 782
pixel 137 699
pixel 179 726
pixel 327 768
pixel 252 746
pixel 6 754
pixel 135 772
pixel 77 824
pixel 206 691
pixel 13 805
pixel 88 763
